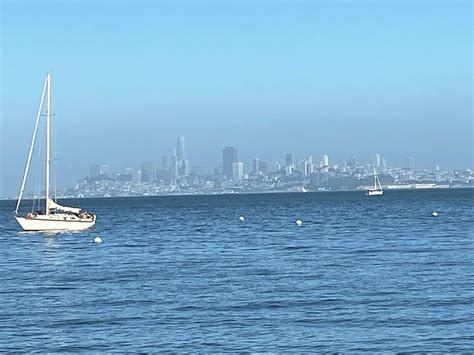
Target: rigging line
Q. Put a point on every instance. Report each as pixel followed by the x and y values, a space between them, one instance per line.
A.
pixel 35 190
pixel 41 165
pixel 56 175
pixel 22 188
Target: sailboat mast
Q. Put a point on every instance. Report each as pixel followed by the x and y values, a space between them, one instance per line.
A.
pixel 375 179
pixel 48 143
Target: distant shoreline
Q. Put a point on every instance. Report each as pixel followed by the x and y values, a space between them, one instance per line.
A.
pixel 246 193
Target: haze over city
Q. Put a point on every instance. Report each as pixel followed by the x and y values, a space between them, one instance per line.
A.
pixel 270 78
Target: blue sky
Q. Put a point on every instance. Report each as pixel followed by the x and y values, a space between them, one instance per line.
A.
pixel 270 77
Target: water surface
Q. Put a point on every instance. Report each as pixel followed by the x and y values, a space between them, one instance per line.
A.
pixel 183 274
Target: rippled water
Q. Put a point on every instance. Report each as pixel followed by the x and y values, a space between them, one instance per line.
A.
pixel 183 274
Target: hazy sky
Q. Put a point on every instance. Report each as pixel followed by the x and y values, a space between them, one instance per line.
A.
pixel 269 77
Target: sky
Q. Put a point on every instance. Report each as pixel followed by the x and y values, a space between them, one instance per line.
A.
pixel 269 77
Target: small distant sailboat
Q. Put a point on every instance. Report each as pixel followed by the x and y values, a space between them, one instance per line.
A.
pixel 304 189
pixel 377 189
pixel 54 217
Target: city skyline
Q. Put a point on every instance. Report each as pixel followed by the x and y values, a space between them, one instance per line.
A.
pixel 253 163
pixel 317 172
pixel 230 155
pixel 144 170
pixel 294 174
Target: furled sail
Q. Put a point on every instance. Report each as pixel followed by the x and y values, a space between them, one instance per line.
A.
pixel 54 206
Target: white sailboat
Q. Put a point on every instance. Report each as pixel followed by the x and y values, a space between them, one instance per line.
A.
pixel 377 189
pixel 54 217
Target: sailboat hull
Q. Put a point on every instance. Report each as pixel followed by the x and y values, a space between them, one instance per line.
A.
pixel 374 192
pixel 53 223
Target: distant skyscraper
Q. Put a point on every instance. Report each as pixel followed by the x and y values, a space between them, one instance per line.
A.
pixel 174 170
pixel 289 159
pixel 180 149
pixel 148 171
pixel 296 164
pixel 378 160
pixel 164 163
pixel 255 166
pixel 304 167
pixel 411 163
pixel 237 171
pixel 185 168
pixel 229 157
pixel 325 160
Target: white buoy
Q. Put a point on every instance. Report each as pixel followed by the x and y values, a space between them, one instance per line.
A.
pixel 299 222
pixel 97 240
pixel 241 218
pixel 435 214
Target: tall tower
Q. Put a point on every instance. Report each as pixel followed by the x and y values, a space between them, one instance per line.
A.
pixel 229 157
pixel 325 160
pixel 255 166
pixel 174 170
pixel 237 171
pixel 378 160
pixel 289 159
pixel 180 149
